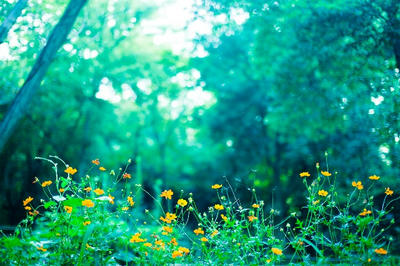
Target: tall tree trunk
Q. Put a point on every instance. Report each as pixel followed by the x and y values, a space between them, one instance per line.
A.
pixel 11 19
pixel 56 38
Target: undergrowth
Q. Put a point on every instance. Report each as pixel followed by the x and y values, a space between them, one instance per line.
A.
pixel 86 220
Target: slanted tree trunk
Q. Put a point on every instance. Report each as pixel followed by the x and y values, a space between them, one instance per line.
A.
pixel 21 102
pixel 11 19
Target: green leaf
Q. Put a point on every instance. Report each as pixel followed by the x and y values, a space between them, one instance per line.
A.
pixel 64 182
pixel 73 202
pixel 49 204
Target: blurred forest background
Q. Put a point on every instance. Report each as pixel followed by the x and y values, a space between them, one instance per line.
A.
pixel 196 91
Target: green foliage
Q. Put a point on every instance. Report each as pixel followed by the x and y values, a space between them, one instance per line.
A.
pixel 83 226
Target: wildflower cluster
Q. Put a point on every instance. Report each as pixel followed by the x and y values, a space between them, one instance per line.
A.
pixel 84 220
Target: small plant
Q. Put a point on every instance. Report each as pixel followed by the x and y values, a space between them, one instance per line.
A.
pixel 89 220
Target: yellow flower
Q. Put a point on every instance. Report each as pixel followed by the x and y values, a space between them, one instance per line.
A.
pixel 147 244
pixel 167 194
pixel 160 243
pixel 252 218
pixel 41 248
pixel 276 251
pixel 198 231
pixel 323 193
pixel 365 212
pixel 61 190
pixel 28 208
pixel 171 216
pixel 182 202
pixel 167 229
pixel 357 184
pixel 168 217
pixel 96 161
pixel 165 220
pixel 184 250
pixel 101 168
pixel 203 239
pixel 87 189
pixel 111 199
pixel 34 213
pixel 224 217
pixel 130 200
pixel 381 251
pixel 27 200
pixel 88 203
pixel 70 170
pixel 47 183
pixel 125 208
pixel 216 186
pixel 388 191
pixel 315 202
pixel 305 174
pixel 86 223
pixel 218 207
pixel 176 253
pixel 214 233
pixel 98 191
pixel 374 177
pixel 325 173
pixel 126 175
pixel 136 238
pixel 256 206
pixel 68 209
pixel 173 241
